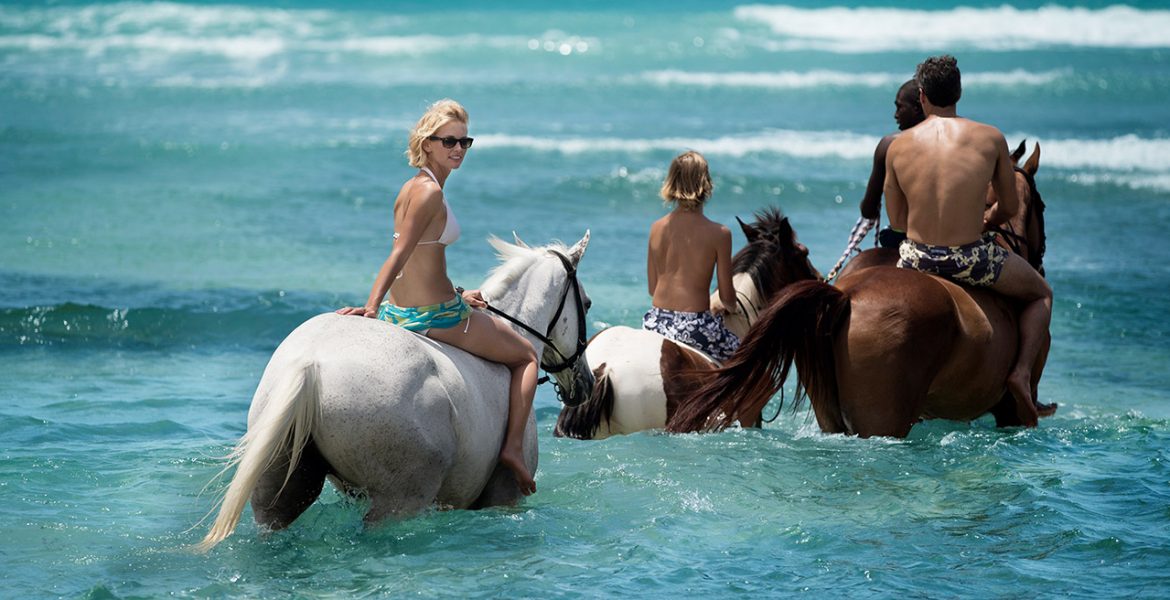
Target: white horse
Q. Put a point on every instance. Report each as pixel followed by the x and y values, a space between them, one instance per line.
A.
pixel 641 375
pixel 397 417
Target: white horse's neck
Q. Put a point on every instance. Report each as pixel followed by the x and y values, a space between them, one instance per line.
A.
pixel 749 304
pixel 528 288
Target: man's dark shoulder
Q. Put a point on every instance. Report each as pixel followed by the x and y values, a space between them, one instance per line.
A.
pixel 883 144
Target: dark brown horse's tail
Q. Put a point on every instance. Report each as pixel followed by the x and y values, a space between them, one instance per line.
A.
pixel 798 326
pixel 581 421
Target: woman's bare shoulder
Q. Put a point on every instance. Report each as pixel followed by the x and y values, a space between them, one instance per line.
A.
pixel 421 194
pixel 716 228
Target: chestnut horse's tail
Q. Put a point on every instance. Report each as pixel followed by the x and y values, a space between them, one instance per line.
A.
pixel 800 325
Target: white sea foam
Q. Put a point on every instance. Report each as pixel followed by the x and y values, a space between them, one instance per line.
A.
pixel 236 33
pixel 217 83
pixel 252 47
pixel 810 144
pixel 1147 159
pixel 1159 183
pixel 824 78
pixel 256 46
pixel 1127 153
pixel 841 29
pixel 125 17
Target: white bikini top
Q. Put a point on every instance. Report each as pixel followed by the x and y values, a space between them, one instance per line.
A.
pixel 450 229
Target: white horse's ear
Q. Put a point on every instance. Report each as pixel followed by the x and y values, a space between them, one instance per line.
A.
pixel 519 242
pixel 578 249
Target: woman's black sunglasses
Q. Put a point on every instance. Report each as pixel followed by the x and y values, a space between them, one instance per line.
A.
pixel 449 142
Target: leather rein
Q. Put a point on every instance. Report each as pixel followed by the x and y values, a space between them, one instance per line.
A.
pixel 563 362
pixel 1015 241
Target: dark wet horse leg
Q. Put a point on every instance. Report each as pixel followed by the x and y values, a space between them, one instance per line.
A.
pixel 277 508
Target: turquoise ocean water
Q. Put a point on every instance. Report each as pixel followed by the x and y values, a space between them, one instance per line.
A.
pixel 183 184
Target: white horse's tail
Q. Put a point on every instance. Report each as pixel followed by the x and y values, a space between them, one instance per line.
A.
pixel 285 422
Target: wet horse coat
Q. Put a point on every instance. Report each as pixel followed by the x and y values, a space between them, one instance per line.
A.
pixel 397 417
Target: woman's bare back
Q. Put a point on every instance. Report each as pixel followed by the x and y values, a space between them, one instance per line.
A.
pixel 685 247
pixel 423 278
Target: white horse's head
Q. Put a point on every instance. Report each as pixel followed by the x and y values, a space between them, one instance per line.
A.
pixel 538 286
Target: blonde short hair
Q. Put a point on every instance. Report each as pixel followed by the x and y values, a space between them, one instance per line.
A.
pixel 437 115
pixel 688 182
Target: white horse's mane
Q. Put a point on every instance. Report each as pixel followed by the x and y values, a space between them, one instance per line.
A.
pixel 515 260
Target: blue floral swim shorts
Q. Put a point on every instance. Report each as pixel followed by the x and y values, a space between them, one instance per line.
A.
pixel 701 330
pixel 978 263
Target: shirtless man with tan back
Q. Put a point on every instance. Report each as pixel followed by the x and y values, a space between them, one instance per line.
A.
pixel 937 175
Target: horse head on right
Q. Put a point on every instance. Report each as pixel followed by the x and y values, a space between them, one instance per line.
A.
pixel 773 252
pixel 772 258
pixel 1024 233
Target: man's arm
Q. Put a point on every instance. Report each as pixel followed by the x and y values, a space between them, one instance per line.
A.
pixel 1003 183
pixel 897 210
pixel 871 203
pixel 651 272
pixel 723 272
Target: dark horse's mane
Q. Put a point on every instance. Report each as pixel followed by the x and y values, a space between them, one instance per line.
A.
pixel 756 258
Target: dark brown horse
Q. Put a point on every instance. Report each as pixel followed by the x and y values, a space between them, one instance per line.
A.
pixel 884 349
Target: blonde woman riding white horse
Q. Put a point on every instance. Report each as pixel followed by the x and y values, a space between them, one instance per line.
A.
pixel 402 419
pixel 422 299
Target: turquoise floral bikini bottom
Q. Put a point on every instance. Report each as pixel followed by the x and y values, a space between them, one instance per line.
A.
pixel 419 319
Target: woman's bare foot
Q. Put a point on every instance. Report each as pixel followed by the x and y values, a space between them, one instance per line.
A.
pixel 1020 385
pixel 514 460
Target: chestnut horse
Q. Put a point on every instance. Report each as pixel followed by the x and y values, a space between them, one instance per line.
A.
pixel 640 375
pixel 884 349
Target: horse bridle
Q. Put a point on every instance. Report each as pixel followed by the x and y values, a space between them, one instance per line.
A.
pixel 1015 241
pixel 744 302
pixel 565 361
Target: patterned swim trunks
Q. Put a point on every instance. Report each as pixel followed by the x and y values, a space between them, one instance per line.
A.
pixel 420 319
pixel 701 330
pixel 978 263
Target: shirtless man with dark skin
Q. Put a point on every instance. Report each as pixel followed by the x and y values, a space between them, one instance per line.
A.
pixel 907 113
pixel 936 189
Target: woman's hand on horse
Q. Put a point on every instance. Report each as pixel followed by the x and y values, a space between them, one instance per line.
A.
pixel 474 299
pixel 359 311
pixel 718 308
